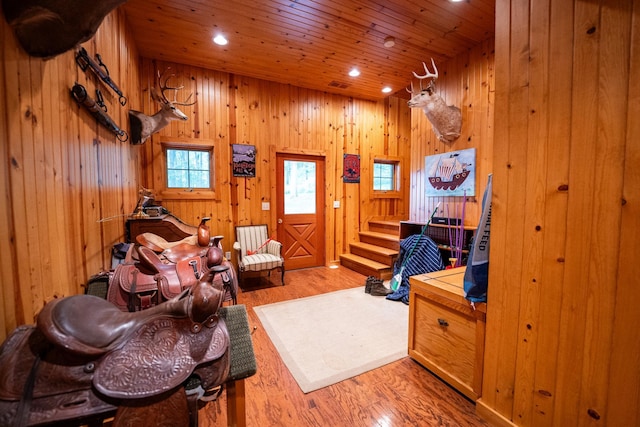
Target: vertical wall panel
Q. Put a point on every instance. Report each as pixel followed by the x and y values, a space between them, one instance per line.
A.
pixel 62 172
pixel 558 77
pixel 534 207
pixel 8 268
pixel 559 302
pixel 625 343
pixel 582 160
pixel 614 32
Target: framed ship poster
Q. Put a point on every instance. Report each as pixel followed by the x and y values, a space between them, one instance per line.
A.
pixel 451 174
pixel 351 168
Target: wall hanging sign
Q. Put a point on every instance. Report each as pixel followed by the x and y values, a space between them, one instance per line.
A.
pixel 451 174
pixel 351 168
pixel 244 160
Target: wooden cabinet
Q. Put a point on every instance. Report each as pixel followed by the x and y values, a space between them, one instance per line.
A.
pixel 446 333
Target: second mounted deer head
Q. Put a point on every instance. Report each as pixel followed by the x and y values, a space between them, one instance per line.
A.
pixel 446 120
pixel 143 126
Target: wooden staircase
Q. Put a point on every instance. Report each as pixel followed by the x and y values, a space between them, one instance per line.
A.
pixel 377 250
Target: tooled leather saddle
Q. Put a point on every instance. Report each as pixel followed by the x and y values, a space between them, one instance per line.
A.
pixel 86 356
pixel 152 274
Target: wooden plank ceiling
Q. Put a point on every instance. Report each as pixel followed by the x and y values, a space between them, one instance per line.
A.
pixel 312 43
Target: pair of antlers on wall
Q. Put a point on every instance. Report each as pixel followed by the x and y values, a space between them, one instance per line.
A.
pixel 446 120
pixel 143 126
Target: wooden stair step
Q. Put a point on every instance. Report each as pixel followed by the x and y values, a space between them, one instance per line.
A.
pixel 366 266
pixel 385 226
pixel 377 253
pixel 380 239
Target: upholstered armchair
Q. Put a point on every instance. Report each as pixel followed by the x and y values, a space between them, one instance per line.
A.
pixel 256 252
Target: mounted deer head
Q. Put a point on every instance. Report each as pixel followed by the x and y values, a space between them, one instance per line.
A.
pixel 446 120
pixel 143 126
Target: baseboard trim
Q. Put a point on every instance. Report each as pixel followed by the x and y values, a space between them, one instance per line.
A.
pixel 489 414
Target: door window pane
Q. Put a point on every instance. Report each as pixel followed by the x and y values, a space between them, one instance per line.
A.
pixel 299 187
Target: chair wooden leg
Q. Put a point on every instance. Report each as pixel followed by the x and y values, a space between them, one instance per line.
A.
pixel 282 275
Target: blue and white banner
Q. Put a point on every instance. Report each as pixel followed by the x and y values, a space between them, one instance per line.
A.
pixel 476 276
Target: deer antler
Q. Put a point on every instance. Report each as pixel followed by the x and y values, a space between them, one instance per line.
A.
pixel 164 86
pixel 429 74
pixel 412 91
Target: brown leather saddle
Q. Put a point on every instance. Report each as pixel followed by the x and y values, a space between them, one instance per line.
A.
pixel 86 356
pixel 148 277
pixel 202 238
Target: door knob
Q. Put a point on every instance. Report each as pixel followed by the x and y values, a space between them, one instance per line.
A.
pixel 279 220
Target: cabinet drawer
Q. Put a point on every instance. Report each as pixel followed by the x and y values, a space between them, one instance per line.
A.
pixel 446 333
pixel 444 341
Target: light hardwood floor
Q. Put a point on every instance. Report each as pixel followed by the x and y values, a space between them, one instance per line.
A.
pixel 402 393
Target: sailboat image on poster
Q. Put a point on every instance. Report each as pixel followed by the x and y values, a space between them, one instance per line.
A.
pixel 451 174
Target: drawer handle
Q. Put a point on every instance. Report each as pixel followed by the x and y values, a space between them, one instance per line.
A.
pixel 443 322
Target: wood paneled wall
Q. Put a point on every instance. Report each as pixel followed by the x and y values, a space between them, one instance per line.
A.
pixel 61 172
pixel 466 81
pixel 275 118
pixel 561 343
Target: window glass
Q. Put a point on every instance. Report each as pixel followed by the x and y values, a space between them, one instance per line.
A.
pixel 299 187
pixel 383 176
pixel 188 168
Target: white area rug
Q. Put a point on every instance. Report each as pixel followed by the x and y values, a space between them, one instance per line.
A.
pixel 328 338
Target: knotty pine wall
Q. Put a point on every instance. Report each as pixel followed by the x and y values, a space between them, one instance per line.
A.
pixel 468 82
pixel 562 340
pixel 61 172
pixel 278 118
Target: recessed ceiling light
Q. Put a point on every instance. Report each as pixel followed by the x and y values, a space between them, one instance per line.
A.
pixel 386 89
pixel 220 40
pixel 354 72
pixel 389 42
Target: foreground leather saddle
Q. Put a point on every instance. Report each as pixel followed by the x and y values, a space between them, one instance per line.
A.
pixel 86 357
pixel 151 275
